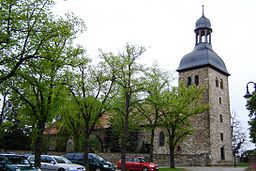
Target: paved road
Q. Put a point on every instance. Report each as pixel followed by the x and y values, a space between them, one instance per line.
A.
pixel 214 169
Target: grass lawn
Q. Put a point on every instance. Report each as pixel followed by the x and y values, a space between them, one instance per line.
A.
pixel 170 169
pixel 243 164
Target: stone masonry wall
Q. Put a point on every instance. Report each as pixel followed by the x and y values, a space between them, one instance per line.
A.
pixel 209 126
pixel 220 117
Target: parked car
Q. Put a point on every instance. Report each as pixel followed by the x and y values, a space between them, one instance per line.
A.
pixel 137 163
pixel 96 162
pixel 57 163
pixel 15 162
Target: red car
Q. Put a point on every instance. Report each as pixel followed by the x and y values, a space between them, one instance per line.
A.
pixel 138 163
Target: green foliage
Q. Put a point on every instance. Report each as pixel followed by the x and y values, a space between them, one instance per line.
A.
pixel 128 84
pixel 180 105
pixel 91 90
pixel 36 49
pixel 112 140
pixel 127 73
pixel 29 28
pixel 118 117
pixel 251 106
pixel 156 81
pixel 61 140
pixel 95 145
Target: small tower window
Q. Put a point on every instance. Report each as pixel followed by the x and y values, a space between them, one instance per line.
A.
pixel 189 81
pixel 221 118
pixel 222 153
pixel 197 80
pixel 219 100
pixel 161 138
pixel 216 82
pixel 221 83
pixel 221 136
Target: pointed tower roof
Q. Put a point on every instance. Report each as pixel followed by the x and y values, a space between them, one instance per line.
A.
pixel 203 22
pixel 203 54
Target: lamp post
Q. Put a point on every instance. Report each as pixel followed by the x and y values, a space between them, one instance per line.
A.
pixel 248 94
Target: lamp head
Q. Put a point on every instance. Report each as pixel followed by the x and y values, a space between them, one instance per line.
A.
pixel 247 94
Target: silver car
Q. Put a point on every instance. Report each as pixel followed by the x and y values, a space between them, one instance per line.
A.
pixel 57 163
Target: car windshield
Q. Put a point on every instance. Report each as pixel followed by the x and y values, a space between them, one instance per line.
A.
pixel 142 159
pixel 60 159
pixel 99 158
pixel 17 160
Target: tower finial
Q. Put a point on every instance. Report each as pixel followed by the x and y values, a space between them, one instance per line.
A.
pixel 203 10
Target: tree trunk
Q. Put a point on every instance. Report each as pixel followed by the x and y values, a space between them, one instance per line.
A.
pixel 123 143
pixel 37 150
pixel 235 161
pixel 38 144
pixel 86 148
pixel 171 148
pixel 76 139
pixel 152 145
pixel 125 131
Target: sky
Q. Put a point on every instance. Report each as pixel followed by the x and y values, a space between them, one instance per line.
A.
pixel 166 29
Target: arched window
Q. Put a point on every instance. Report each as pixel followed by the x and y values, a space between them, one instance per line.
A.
pixel 197 80
pixel 161 138
pixel 219 100
pixel 189 81
pixel 216 82
pixel 221 83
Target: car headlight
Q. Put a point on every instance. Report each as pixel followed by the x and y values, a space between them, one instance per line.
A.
pixel 106 166
pixel 72 169
pixel 151 165
pixel 17 170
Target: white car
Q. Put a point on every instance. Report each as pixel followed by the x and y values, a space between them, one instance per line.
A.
pixel 57 163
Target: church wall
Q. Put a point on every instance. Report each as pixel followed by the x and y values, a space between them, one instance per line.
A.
pixel 212 128
pixel 220 118
pixel 198 142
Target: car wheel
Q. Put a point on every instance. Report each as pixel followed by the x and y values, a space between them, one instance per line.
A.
pixel 61 169
pixel 145 169
pixel 98 169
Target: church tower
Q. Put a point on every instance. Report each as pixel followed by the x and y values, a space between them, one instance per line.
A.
pixel 211 141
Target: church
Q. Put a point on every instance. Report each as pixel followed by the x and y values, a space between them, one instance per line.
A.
pixel 210 144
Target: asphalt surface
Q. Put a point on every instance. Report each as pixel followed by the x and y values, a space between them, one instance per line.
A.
pixel 214 169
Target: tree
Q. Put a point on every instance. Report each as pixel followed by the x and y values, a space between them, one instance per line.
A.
pixel 127 73
pixel 180 104
pixel 251 107
pixel 238 136
pixel 13 127
pixel 26 27
pixel 40 81
pixel 72 122
pixel 156 82
pixel 90 88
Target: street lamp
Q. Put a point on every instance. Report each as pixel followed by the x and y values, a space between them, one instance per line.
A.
pixel 248 94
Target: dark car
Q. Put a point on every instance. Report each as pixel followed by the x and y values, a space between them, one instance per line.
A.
pixel 96 162
pixel 15 162
pixel 138 163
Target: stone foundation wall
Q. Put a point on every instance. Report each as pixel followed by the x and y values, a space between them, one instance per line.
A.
pixel 164 159
pixel 160 159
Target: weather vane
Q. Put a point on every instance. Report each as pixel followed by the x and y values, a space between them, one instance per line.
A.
pixel 203 7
